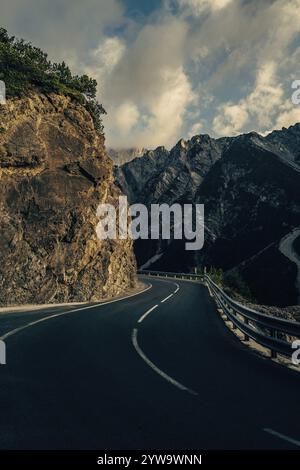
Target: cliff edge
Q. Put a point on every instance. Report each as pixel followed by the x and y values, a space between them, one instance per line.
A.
pixel 54 173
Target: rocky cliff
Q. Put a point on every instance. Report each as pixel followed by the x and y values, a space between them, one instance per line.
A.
pixel 54 172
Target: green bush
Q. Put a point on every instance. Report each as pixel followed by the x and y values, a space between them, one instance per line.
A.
pixel 25 68
pixel 232 283
pixel 216 275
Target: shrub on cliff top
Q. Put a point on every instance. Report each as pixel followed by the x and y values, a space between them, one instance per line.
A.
pixel 24 68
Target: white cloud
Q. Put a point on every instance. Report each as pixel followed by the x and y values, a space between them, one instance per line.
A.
pixel 150 75
pixel 244 37
pixel 289 115
pixel 260 106
pixel 65 28
pixel 167 110
pixel 162 118
pixel 267 96
pixel 196 129
pixel 224 65
pixel 147 90
pixel 231 120
pixel 125 117
pixel 107 55
pixel 197 7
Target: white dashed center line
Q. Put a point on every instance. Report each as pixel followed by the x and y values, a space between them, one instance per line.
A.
pixel 155 368
pixel 147 313
pixel 167 298
pixel 140 352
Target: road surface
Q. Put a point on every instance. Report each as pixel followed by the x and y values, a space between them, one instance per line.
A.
pixel 155 371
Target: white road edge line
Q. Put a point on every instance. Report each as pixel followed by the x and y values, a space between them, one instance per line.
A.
pixel 282 436
pixel 155 368
pixel 167 298
pixel 28 325
pixel 147 313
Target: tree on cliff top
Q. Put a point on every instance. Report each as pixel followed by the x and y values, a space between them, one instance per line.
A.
pixel 25 68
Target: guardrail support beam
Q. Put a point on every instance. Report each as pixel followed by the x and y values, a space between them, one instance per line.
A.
pixel 273 354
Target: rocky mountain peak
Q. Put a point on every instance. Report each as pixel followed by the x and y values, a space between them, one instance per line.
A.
pixel 182 144
pixel 287 142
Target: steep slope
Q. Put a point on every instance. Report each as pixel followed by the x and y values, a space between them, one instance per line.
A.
pixel 251 198
pixel 54 172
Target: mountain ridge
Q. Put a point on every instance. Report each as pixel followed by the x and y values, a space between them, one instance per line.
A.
pixel 249 185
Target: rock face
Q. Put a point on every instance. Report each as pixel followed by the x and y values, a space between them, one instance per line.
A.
pixel 250 186
pixel 54 173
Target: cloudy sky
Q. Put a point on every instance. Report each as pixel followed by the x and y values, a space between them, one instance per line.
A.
pixel 174 68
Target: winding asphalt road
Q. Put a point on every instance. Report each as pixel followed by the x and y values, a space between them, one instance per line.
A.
pixel 130 375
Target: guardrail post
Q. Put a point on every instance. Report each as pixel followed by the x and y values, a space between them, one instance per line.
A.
pixel 273 335
pixel 231 310
pixel 273 354
pixel 246 337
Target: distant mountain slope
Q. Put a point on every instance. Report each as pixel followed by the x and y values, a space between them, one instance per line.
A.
pixel 252 200
pixel 170 175
pixel 250 186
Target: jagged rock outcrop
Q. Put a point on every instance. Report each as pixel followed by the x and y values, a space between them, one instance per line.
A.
pixel 54 172
pixel 170 175
pixel 287 142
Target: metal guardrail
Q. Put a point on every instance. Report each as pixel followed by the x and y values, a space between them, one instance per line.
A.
pixel 184 276
pixel 268 331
